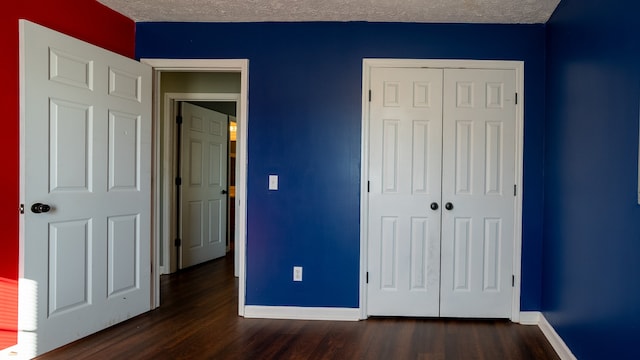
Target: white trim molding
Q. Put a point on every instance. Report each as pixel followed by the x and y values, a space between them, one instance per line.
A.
pixel 556 341
pixel 301 313
pixel 537 318
pixel 530 317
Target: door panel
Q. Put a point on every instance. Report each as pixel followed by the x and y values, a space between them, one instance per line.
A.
pixel 69 271
pixel 124 245
pixel 204 162
pixel 478 178
pixel 123 142
pixel 86 152
pixel 405 155
pixel 70 146
pixel 461 254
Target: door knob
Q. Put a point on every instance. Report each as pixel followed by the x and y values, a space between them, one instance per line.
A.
pixel 39 208
pixel 434 206
pixel 223 192
pixel 448 206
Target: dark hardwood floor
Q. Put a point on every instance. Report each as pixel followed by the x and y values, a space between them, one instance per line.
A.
pixel 198 320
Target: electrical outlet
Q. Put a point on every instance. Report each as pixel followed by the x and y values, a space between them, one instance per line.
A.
pixel 297 273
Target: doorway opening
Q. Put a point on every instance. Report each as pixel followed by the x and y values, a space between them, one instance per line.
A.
pixel 215 83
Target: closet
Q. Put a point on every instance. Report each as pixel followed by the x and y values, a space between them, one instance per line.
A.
pixel 441 192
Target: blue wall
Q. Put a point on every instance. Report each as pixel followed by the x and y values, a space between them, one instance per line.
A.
pixel 592 221
pixel 305 116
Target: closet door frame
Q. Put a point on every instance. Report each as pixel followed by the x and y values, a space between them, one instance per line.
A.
pixel 518 67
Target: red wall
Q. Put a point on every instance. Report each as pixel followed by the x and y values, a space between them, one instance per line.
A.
pixel 87 20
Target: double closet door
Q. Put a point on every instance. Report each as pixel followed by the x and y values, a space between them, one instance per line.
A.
pixel 441 198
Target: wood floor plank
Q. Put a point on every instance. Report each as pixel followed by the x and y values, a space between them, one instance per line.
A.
pixel 198 320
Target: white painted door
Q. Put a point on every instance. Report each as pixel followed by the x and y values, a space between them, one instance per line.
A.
pixel 405 167
pixel 478 181
pixel 444 137
pixel 204 184
pixel 85 153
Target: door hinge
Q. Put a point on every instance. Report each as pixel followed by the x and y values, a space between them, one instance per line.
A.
pixel 178 181
pixel 21 208
pixel 367 277
pixel 179 119
pixel 515 190
pixel 368 186
pixel 516 98
pixel 369 95
pixel 513 280
pixel 177 242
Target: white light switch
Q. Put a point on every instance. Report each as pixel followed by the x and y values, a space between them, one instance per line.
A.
pixel 273 182
pixel 297 273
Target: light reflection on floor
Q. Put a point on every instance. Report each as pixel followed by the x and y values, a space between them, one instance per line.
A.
pixel 27 319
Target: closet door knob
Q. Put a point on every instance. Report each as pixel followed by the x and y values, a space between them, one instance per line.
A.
pixel 434 206
pixel 448 206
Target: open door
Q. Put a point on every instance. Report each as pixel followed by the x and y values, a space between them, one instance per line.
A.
pixel 85 189
pixel 203 186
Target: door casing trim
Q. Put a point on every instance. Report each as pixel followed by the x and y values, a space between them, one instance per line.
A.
pixel 518 67
pixel 203 65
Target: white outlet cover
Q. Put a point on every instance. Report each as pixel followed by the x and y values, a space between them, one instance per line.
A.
pixel 297 273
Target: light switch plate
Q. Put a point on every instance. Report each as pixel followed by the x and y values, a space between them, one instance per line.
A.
pixel 273 182
pixel 297 273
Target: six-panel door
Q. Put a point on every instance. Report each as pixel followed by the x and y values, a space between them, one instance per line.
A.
pixel 204 186
pixel 404 173
pixel 478 177
pixel 86 154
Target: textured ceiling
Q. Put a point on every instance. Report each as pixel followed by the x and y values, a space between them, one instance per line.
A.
pixel 421 11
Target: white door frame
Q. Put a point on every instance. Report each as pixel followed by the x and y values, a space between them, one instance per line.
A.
pixel 367 65
pixel 200 65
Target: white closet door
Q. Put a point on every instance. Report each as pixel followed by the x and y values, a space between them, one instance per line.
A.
pixel 442 137
pixel 404 173
pixel 478 182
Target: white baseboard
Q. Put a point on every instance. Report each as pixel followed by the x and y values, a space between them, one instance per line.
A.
pixel 163 270
pixel 301 313
pixel 530 317
pixel 556 341
pixel 537 318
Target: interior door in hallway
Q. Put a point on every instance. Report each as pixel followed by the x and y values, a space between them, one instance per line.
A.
pixel 404 181
pixel 204 184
